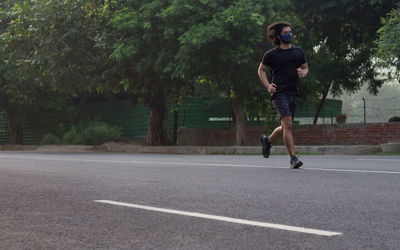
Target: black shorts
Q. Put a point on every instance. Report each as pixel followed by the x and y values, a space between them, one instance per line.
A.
pixel 285 105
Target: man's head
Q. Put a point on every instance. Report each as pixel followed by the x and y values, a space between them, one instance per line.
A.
pixel 279 33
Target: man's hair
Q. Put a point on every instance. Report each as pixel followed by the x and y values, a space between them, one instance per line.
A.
pixel 274 30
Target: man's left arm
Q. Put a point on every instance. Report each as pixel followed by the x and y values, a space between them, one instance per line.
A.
pixel 303 70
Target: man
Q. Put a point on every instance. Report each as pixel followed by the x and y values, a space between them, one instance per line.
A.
pixel 287 64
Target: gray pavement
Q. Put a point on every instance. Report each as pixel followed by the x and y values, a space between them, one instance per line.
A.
pixel 47 201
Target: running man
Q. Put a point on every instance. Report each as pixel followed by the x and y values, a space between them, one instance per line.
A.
pixel 287 64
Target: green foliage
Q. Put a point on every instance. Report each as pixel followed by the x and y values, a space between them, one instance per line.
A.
pixel 73 137
pixel 69 44
pixel 223 42
pixel 22 97
pixel 394 119
pixel 51 52
pixel 341 30
pixel 229 35
pixel 388 42
pixel 50 139
pixel 142 48
pixel 91 133
pixel 146 50
pixel 97 133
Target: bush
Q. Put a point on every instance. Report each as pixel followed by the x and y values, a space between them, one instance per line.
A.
pixel 100 132
pixel 341 118
pixel 91 133
pixel 394 119
pixel 73 137
pixel 50 139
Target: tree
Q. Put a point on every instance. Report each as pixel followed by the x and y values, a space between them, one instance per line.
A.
pixel 144 51
pixel 72 48
pixel 51 51
pixel 222 41
pixel 20 97
pixel 343 37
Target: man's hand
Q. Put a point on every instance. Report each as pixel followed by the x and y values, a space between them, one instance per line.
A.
pixel 262 73
pixel 272 88
pixel 302 72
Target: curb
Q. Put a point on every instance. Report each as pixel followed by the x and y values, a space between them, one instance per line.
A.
pixel 139 149
pixel 324 150
pixel 391 147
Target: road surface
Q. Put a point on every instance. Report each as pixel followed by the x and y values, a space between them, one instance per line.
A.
pixel 153 201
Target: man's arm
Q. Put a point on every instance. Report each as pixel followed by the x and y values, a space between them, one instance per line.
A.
pixel 303 70
pixel 262 73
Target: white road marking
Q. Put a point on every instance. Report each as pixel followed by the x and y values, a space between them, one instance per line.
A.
pixel 225 219
pixel 378 159
pixel 189 164
pixel 141 162
pixel 353 170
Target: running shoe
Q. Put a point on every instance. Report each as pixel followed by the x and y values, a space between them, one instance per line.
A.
pixel 266 146
pixel 295 162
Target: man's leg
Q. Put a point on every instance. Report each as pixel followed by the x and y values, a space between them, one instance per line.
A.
pixel 266 141
pixel 287 124
pixel 275 135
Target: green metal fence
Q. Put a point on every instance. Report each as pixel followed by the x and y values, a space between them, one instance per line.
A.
pixel 32 132
pixel 193 113
pixel 4 130
pixel 131 119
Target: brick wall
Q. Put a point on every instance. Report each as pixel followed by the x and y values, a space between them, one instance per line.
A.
pixel 346 134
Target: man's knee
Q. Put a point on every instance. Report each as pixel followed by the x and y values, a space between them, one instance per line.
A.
pixel 287 123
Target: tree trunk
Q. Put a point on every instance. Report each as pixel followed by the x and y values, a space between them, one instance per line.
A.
pixel 156 130
pixel 16 133
pixel 240 118
pixel 322 102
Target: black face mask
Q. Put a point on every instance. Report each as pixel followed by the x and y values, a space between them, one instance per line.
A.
pixel 286 38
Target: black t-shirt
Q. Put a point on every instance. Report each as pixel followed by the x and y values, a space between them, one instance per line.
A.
pixel 283 64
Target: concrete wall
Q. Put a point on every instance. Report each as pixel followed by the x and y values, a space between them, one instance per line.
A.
pixel 346 134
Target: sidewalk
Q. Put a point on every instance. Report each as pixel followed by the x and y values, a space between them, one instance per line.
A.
pixel 131 148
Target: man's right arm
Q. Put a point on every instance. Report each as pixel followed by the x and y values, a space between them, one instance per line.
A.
pixel 262 73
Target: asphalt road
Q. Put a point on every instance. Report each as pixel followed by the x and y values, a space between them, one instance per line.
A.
pixel 69 201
